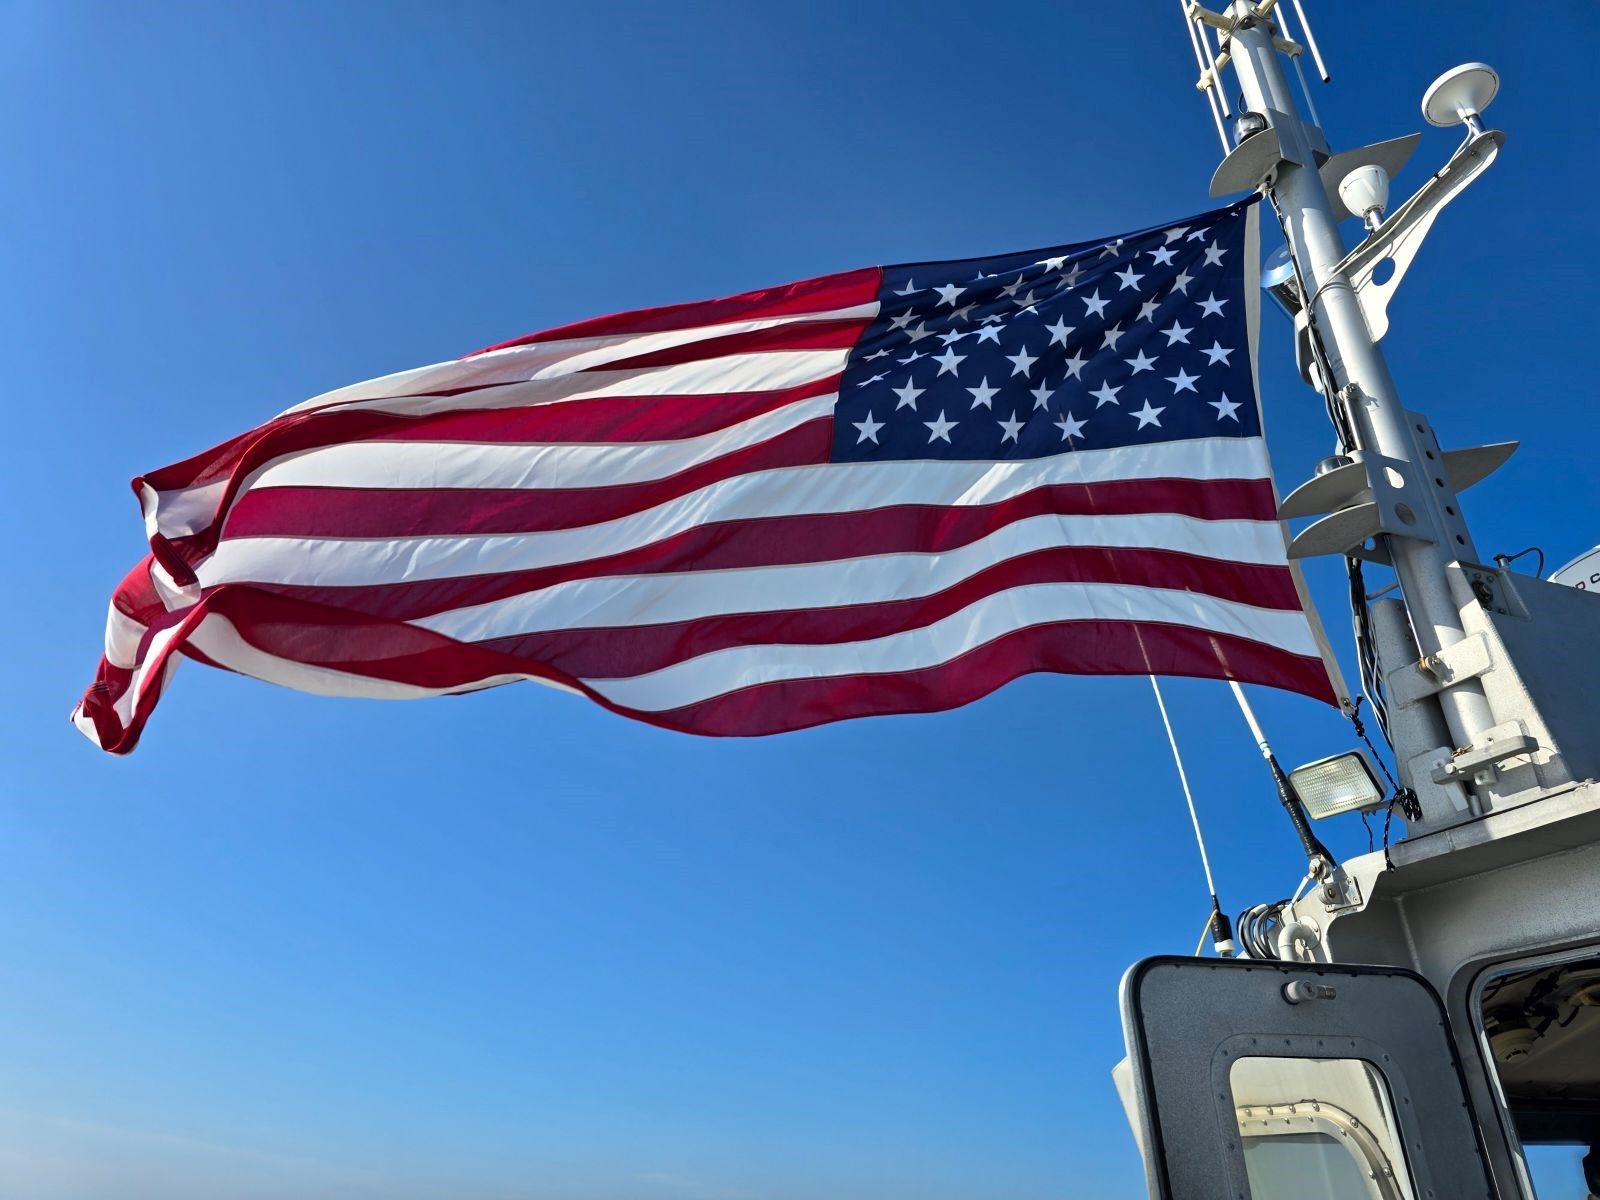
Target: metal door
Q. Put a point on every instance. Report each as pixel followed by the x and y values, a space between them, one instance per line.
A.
pixel 1265 1081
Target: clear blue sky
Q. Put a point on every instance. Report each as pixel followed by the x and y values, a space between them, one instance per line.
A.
pixel 511 945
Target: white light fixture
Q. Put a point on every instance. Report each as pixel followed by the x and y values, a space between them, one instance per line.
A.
pixel 1340 784
pixel 1460 95
pixel 1365 192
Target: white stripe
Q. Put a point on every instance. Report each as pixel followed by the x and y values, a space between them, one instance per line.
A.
pixel 146 676
pixel 122 638
pixel 724 671
pixel 546 360
pixel 180 512
pixel 618 601
pixel 525 465
pixel 792 491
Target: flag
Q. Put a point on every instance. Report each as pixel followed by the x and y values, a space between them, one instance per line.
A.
pixel 885 491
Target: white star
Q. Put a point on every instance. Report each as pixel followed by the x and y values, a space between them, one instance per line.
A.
pixel 1212 307
pixel 1069 427
pixel 880 353
pixel 909 289
pixel 1074 364
pixel 920 332
pixel 960 314
pixel 1182 282
pixel 908 396
pixel 903 319
pixel 1106 394
pixel 1163 256
pixel 1069 278
pixel 1011 427
pixel 1052 264
pixel 939 430
pixel 913 356
pixel 1148 415
pixel 869 430
pixel 1177 333
pixel 953 335
pixel 878 378
pixel 1182 382
pixel 1141 363
pixel 1214 256
pixel 1225 408
pixel 1042 394
pixel 949 361
pixel 1012 288
pixel 1147 310
pixel 1216 355
pixel 1112 249
pixel 1021 362
pixel 1096 305
pixel 984 394
pixel 990 333
pixel 1197 235
pixel 1113 336
pixel 1130 278
pixel 1174 234
pixel 1060 331
pixel 948 294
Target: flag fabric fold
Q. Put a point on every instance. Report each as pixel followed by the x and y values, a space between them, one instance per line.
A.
pixel 885 491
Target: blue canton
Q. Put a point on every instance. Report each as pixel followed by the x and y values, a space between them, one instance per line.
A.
pixel 1082 347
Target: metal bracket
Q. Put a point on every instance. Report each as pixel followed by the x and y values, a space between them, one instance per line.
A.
pixel 1455 664
pixel 1400 236
pixel 1368 497
pixel 1477 762
pixel 1340 891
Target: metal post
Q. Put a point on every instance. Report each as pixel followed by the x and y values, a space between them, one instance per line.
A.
pixel 1377 416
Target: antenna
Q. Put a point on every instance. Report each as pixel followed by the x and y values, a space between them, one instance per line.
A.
pixel 1300 72
pixel 1209 81
pixel 1311 40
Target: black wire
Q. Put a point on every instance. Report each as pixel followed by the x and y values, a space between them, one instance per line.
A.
pixel 1505 560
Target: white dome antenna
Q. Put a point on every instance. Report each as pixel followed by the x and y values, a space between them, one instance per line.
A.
pixel 1459 96
pixel 1365 192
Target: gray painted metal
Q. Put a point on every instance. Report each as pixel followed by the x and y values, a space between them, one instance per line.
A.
pixel 1188 1020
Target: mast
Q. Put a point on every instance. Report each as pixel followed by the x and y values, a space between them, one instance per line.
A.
pixel 1437 533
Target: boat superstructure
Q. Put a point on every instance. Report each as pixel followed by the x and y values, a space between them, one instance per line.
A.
pixel 1422 1013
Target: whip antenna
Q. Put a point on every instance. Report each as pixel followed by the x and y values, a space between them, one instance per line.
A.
pixel 1221 929
pixel 1311 40
pixel 1209 83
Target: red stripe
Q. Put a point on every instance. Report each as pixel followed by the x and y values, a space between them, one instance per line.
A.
pixel 417 512
pixel 820 537
pixel 620 652
pixel 603 419
pixel 402 653
pixel 824 294
pixel 1069 648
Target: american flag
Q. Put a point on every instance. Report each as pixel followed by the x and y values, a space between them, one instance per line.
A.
pixel 885 491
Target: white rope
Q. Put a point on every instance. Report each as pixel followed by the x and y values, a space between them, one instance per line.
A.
pixel 1183 777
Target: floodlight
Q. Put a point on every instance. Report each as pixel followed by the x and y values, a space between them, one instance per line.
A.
pixel 1365 192
pixel 1277 277
pixel 1459 95
pixel 1340 784
pixel 1248 125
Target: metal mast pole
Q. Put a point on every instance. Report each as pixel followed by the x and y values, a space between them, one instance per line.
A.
pixel 1361 376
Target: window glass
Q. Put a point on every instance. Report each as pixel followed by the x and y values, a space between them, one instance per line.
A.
pixel 1318 1129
